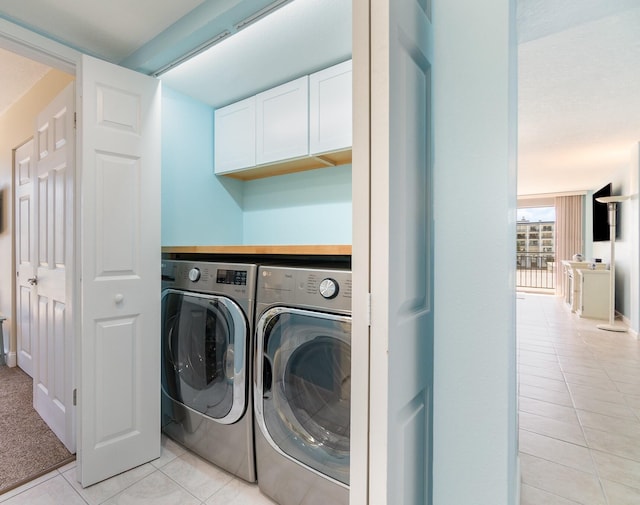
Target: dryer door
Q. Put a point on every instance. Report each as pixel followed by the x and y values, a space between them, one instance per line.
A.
pixel 303 387
pixel 204 346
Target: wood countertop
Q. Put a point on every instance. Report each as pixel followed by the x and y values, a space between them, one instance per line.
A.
pixel 321 250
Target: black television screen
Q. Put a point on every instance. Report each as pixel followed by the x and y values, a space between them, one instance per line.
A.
pixel 601 215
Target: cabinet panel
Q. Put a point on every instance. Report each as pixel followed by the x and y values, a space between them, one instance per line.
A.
pixel 235 136
pixel 282 122
pixel 594 300
pixel 330 111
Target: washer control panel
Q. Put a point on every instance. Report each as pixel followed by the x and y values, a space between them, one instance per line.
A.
pixel 236 280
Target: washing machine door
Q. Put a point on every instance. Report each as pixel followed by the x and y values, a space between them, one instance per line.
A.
pixel 204 362
pixel 303 387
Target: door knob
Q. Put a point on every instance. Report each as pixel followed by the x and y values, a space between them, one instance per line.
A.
pixel 32 280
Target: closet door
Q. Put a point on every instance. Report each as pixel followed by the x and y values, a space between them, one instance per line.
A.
pixel 400 247
pixel 119 265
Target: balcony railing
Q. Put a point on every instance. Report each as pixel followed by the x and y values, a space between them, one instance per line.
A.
pixel 535 270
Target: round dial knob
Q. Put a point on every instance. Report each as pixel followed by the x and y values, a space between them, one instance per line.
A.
pixel 194 274
pixel 329 288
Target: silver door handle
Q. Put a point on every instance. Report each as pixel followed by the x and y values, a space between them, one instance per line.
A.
pixel 32 280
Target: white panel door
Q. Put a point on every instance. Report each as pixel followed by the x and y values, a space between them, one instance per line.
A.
pixel 401 253
pixel 52 321
pixel 24 173
pixel 119 253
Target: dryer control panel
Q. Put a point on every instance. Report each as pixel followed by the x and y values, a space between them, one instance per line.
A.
pixel 305 287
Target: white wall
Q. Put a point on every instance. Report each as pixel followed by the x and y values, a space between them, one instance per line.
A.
pixel 625 182
pixel 634 237
pixel 475 414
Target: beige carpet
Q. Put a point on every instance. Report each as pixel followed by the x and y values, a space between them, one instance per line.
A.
pixel 28 448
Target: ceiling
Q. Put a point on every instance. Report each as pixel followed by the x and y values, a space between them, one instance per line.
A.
pixel 578 87
pixel 578 71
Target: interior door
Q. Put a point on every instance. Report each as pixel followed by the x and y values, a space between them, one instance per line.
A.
pixel 52 320
pixel 119 263
pixel 401 253
pixel 24 172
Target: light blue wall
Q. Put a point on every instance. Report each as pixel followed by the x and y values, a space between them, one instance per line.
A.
pixel 312 207
pixel 198 208
pixel 475 139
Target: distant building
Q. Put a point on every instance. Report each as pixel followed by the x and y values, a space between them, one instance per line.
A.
pixel 536 237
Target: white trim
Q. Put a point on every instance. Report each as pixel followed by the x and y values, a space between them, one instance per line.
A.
pixel 361 268
pixel 518 480
pixel 548 201
pixel 37 47
pixel 552 195
pixel 12 359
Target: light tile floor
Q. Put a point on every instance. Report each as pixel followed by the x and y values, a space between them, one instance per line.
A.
pixel 579 403
pixel 579 418
pixel 178 477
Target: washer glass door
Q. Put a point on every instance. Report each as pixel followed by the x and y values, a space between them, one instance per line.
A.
pixel 303 387
pixel 204 339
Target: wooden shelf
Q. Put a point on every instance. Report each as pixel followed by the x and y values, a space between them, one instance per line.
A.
pixel 291 166
pixel 315 250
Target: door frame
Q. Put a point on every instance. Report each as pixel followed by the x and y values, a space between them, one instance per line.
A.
pixel 48 52
pixel 84 68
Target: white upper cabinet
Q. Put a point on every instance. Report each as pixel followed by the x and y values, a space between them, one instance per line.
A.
pixel 282 122
pixel 330 111
pixel 300 125
pixel 235 136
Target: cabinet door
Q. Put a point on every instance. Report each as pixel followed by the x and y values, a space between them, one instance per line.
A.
pixel 235 136
pixel 282 117
pixel 330 97
pixel 594 294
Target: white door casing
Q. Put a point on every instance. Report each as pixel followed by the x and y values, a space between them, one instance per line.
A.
pixel 119 264
pixel 401 252
pixel 361 267
pixel 52 322
pixel 24 230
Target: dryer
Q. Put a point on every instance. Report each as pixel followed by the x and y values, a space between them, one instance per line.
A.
pixel 207 328
pixel 302 385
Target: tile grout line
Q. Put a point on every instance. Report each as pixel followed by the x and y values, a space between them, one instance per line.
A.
pixel 586 441
pixel 594 465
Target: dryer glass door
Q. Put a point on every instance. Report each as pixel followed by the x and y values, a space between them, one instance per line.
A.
pixel 305 387
pixel 204 340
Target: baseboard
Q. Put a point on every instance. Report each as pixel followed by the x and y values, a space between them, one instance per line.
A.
pixel 518 489
pixel 12 359
pixel 627 322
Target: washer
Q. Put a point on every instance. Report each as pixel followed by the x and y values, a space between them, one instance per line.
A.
pixel 302 385
pixel 207 316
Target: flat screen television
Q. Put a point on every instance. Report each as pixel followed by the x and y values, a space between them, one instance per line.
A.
pixel 601 215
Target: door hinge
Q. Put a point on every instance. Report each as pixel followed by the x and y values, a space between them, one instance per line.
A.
pixel 368 309
pixel 75 120
pixel 75 397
